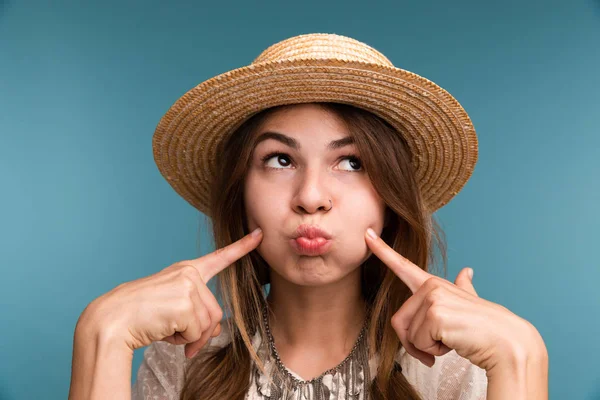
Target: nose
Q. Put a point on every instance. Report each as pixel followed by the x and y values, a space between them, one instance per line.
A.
pixel 311 195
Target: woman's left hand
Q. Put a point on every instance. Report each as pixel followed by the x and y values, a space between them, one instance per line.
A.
pixel 441 316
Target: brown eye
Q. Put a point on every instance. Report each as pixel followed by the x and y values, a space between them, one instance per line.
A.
pixel 279 160
pixel 354 163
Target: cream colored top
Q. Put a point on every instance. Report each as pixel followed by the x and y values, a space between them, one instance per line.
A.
pixel 160 376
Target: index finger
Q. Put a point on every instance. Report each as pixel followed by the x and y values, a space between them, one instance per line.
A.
pixel 213 263
pixel 408 272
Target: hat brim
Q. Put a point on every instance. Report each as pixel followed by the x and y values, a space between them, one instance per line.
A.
pixel 437 129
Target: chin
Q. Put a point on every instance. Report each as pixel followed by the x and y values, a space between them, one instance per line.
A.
pixel 312 271
pixel 312 280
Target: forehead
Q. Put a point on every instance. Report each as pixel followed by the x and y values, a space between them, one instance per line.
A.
pixel 304 119
pixel 305 127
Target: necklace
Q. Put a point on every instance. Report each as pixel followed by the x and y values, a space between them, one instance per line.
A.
pixel 348 380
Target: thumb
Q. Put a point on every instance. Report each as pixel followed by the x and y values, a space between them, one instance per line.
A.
pixel 465 282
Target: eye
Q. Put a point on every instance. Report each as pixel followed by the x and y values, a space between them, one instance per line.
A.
pixel 279 159
pixel 353 161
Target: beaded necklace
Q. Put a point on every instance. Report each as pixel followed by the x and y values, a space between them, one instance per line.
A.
pixel 347 380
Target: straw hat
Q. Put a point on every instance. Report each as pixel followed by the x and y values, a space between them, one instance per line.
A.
pixel 317 68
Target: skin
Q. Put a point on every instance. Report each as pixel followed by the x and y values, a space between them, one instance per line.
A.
pixel 442 316
pixel 316 299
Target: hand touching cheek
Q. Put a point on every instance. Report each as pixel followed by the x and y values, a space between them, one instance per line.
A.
pixel 441 316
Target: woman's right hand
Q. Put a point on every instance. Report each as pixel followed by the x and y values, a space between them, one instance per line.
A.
pixel 172 305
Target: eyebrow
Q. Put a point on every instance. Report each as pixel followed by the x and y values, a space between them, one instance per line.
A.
pixel 294 144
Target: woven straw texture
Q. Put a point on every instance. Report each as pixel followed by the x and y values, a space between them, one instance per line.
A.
pixel 317 68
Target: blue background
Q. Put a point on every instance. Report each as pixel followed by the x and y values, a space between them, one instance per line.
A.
pixel 84 208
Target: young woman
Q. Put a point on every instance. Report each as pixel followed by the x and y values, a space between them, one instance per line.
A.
pixel 320 166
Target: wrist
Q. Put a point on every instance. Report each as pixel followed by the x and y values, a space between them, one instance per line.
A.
pixel 526 343
pixel 94 324
pixel 101 366
pixel 522 370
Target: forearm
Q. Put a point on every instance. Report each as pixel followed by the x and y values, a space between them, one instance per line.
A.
pixel 524 375
pixel 101 366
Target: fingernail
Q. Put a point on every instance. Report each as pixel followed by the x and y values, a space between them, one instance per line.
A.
pixel 371 233
pixel 194 353
pixel 471 273
pixel 256 232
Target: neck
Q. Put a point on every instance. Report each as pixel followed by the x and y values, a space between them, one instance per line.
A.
pixel 316 318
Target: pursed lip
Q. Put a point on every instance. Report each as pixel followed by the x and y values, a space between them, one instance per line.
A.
pixel 311 240
pixel 311 232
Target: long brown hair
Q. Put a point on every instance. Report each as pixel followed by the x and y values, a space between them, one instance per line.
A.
pixel 410 230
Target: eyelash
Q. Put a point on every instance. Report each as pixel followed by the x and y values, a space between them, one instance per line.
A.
pixel 265 158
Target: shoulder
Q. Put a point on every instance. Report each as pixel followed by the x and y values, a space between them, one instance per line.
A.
pixel 161 372
pixel 451 377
